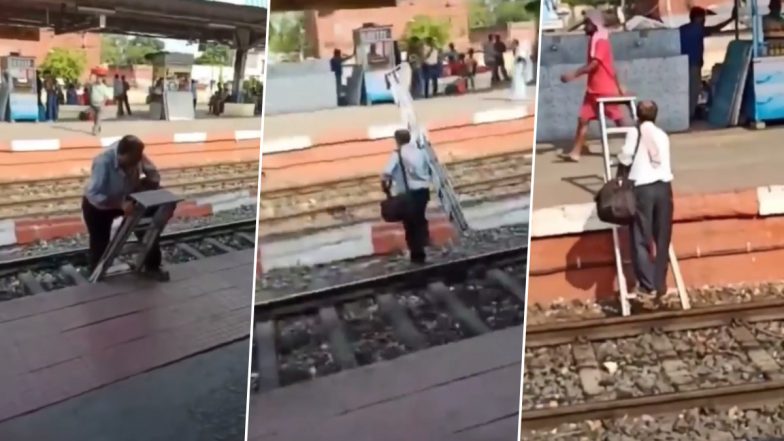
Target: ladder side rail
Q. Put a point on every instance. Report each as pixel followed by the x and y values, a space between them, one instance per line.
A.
pixel 116 244
pixel 622 287
pixel 160 218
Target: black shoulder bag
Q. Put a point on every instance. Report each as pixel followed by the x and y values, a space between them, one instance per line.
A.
pixel 615 202
pixel 397 208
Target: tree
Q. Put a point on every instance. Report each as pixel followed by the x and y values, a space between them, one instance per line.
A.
pixel 215 55
pixel 66 64
pixel 423 27
pixel 480 15
pixel 286 34
pixel 512 11
pixel 119 50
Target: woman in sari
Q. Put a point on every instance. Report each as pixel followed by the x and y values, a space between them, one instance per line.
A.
pixel 602 82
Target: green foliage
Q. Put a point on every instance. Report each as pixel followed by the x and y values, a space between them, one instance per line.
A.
pixel 66 64
pixel 512 11
pixel 215 55
pixel 117 50
pixel 423 27
pixel 287 34
pixel 480 15
pixel 486 13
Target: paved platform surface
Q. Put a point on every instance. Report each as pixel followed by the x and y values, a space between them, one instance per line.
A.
pixel 464 391
pixel 702 161
pixel 65 343
pixel 313 124
pixel 202 398
pixel 129 126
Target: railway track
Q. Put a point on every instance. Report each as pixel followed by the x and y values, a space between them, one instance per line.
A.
pixel 63 196
pixel 353 200
pixel 660 363
pixel 316 333
pixel 48 272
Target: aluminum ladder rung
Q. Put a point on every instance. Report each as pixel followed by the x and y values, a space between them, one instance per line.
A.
pixel 617 100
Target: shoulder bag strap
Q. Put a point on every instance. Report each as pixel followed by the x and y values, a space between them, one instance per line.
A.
pixel 637 146
pixel 403 169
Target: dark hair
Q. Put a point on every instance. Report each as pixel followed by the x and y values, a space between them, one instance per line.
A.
pixel 402 136
pixel 647 111
pixel 129 144
pixel 697 12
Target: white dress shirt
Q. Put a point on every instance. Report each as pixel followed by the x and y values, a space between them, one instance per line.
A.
pixel 652 163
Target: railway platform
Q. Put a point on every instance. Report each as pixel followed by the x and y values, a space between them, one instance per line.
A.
pixel 425 393
pixel 728 216
pixel 61 344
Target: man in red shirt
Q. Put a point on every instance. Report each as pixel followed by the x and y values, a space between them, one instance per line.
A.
pixel 602 82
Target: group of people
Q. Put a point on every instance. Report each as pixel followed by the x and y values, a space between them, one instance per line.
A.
pixel 645 153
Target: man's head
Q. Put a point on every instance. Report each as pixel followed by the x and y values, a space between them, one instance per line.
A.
pixel 429 41
pixel 497 38
pixel 129 151
pixel 647 111
pixel 336 53
pixel 775 7
pixel 402 137
pixel 697 15
pixel 491 37
pixel 594 20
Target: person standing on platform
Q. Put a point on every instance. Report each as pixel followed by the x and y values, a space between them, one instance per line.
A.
pixel 415 55
pixel 692 36
pixel 500 49
pixel 431 68
pixel 647 152
pixel 521 74
pixel 52 103
pixel 126 86
pixel 408 171
pixel 117 172
pixel 488 50
pixel 336 65
pixel 602 82
pixel 117 87
pixel 195 92
pixel 99 93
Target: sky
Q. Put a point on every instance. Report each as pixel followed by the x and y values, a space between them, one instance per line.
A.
pixel 184 47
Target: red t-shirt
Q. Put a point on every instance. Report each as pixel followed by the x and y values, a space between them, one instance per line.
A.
pixel 602 80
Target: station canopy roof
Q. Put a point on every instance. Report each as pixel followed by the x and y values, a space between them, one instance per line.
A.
pixel 194 20
pixel 325 5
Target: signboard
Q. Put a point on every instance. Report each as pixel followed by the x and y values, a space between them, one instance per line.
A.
pixel 375 35
pixel 20 33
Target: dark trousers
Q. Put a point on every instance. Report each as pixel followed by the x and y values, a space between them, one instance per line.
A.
pixel 416 226
pixel 125 102
pixel 99 228
pixel 652 227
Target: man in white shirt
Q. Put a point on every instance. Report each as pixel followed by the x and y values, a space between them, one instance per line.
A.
pixel 432 67
pixel 647 152
pixel 416 170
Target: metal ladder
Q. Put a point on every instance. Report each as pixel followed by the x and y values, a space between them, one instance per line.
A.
pixel 152 212
pixel 605 131
pixel 445 191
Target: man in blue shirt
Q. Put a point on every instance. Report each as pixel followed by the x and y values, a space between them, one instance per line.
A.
pixel 336 65
pixel 117 172
pixel 693 36
pixel 408 172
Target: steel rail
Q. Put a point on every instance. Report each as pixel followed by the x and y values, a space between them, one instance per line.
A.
pixel 740 395
pixel 454 269
pixel 559 333
pixel 11 265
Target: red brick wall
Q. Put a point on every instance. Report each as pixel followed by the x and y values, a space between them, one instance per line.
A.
pixel 90 44
pixel 328 30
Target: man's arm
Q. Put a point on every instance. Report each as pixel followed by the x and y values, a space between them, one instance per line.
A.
pixel 150 171
pixel 386 174
pixel 627 151
pixel 99 178
pixel 717 27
